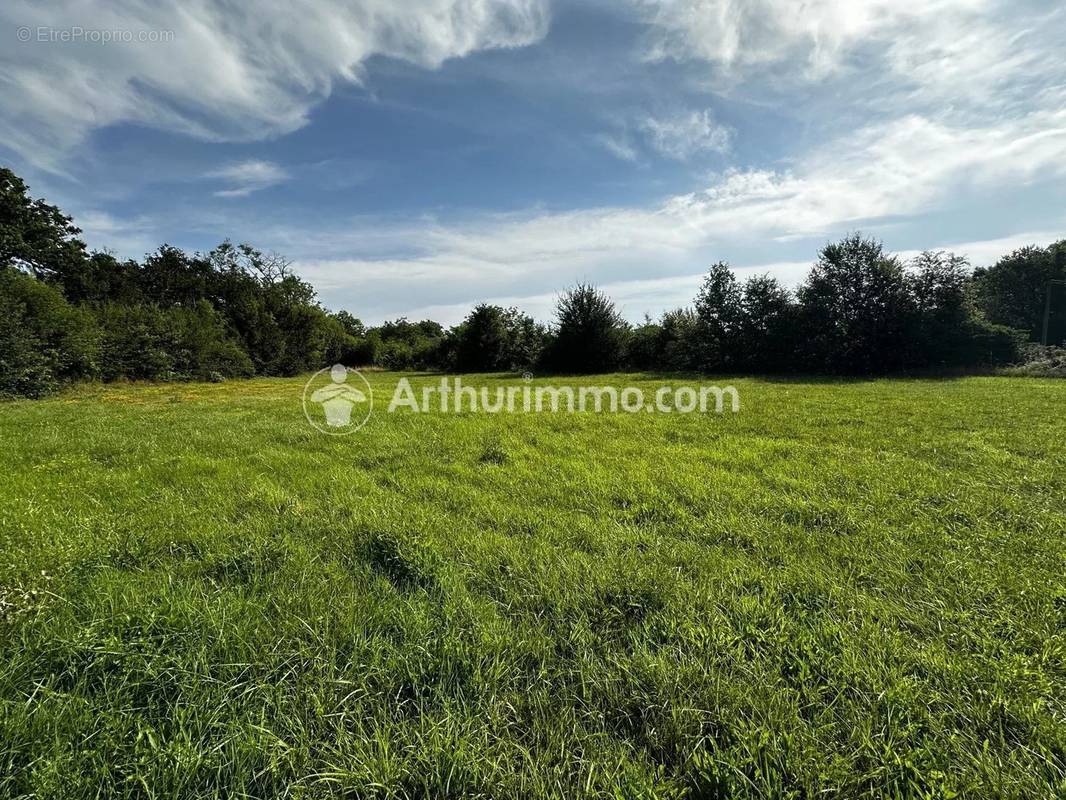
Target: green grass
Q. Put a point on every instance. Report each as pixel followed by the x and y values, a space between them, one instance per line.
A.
pixel 849 589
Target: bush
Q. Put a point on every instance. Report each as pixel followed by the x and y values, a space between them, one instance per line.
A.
pixel 362 351
pixel 1038 361
pixel 672 344
pixel 401 344
pixel 396 354
pixel 134 343
pixel 989 344
pixel 149 343
pixel 44 341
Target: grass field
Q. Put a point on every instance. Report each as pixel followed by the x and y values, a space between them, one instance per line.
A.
pixel 848 589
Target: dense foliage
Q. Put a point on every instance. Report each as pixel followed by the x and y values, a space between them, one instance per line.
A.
pixel 1014 292
pixel 68 314
pixel 495 339
pixel 589 334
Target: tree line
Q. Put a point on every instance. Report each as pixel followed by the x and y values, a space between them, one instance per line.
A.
pixel 68 314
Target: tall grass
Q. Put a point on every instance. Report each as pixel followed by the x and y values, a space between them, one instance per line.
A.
pixel 849 589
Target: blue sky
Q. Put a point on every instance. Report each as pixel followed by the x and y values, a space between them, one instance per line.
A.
pixel 416 157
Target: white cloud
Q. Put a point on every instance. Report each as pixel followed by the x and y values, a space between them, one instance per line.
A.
pixel 634 298
pixel 948 58
pixel 987 252
pixel 818 35
pixel 619 146
pixel 246 177
pixel 902 167
pixel 682 135
pixel 226 71
pixel 897 169
pixel 128 237
pixel 653 296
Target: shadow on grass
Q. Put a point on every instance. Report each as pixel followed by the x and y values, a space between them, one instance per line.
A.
pixel 930 375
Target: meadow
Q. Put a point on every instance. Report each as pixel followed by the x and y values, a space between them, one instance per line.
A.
pixel 847 589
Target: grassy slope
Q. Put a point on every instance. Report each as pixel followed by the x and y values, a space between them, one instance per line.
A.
pixel 850 588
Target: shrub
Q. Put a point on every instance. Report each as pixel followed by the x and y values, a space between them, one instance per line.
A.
pixel 396 354
pixel 203 346
pixel 149 343
pixel 44 341
pixel 401 344
pixel 1038 361
pixel 362 351
pixel 670 344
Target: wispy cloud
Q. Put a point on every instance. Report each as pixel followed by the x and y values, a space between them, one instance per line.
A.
pixel 129 237
pixel 810 43
pixel 679 135
pixel 619 146
pixel 246 177
pixel 224 71
pixel 940 57
pixel 903 109
pixel 685 134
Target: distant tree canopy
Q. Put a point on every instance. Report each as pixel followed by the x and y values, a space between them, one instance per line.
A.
pixel 1014 291
pixel 67 314
pixel 496 339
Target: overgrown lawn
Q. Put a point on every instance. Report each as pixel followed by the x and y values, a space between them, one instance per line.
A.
pixel 848 589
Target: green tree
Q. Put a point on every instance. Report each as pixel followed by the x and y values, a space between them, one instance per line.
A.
pixel 644 342
pixel 35 236
pixel 950 330
pixel 767 326
pixel 678 342
pixel 719 313
pixel 352 326
pixel 590 335
pixel 170 277
pixel 857 309
pixel 104 279
pixel 1013 292
pixel 492 338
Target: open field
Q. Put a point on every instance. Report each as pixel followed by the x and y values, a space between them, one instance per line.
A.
pixel 848 589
